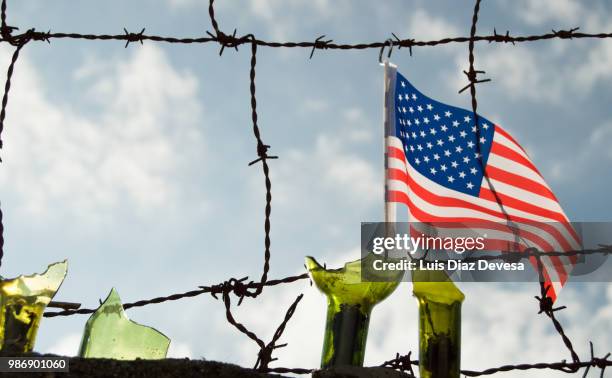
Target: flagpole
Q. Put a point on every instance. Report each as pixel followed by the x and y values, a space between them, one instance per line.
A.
pixel 389 208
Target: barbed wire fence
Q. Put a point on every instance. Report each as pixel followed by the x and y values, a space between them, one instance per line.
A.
pixel 242 289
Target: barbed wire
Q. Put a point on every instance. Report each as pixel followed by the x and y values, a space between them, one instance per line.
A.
pixel 242 289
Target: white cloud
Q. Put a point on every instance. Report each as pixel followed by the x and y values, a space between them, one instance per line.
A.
pixel 339 173
pixel 597 66
pixel 127 151
pixel 594 148
pixel 424 26
pixel 517 70
pixel 542 11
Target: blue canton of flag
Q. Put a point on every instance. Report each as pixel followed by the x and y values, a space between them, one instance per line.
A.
pixel 442 142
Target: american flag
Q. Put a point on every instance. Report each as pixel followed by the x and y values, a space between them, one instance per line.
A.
pixel 446 168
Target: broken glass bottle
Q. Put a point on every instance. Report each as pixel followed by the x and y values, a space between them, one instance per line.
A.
pixel 349 306
pixel 110 334
pixel 22 303
pixel 439 324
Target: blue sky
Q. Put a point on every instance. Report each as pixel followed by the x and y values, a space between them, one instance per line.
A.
pixel 132 163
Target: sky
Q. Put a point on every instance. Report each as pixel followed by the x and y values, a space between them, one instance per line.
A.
pixel 132 163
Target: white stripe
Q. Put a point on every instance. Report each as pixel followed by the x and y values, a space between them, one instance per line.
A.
pixel 393 141
pixel 395 163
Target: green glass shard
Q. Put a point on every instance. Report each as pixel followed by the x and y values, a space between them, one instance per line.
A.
pixel 349 306
pixel 22 302
pixel 110 334
pixel 439 324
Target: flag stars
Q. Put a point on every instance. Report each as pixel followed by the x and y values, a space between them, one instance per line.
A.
pixel 443 128
pixel 436 117
pixel 403 109
pixel 462 134
pixel 473 129
pixel 433 171
pixel 454 164
pixel 414 97
pixel 469 185
pixel 448 114
pixel 466 119
pixel 429 145
pixel 420 108
pixel 451 179
pixel 436 157
pixel 443 168
pixel 426 159
pixel 440 142
pixel 419 147
pixel 470 144
pixel 485 126
pixel 462 174
pixel 451 138
pixel 411 148
pixel 447 153
pixel 458 149
pixel 426 120
pixel 455 123
pixel 417 161
pixel 422 133
pixel 403 84
pixel 411 109
pixel 483 140
pixel 429 107
pixel 416 121
pixel 466 159
pixel 473 170
pixel 477 155
pixel 432 131
pixel 414 135
pixel 399 97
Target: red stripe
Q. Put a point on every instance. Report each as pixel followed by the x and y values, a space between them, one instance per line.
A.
pixel 510 154
pixel 519 182
pixel 394 152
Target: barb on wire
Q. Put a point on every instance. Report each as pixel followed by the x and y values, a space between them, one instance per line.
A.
pixel 319 44
pixel 402 363
pixel 265 354
pixel 565 34
pixel 546 307
pixel 133 37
